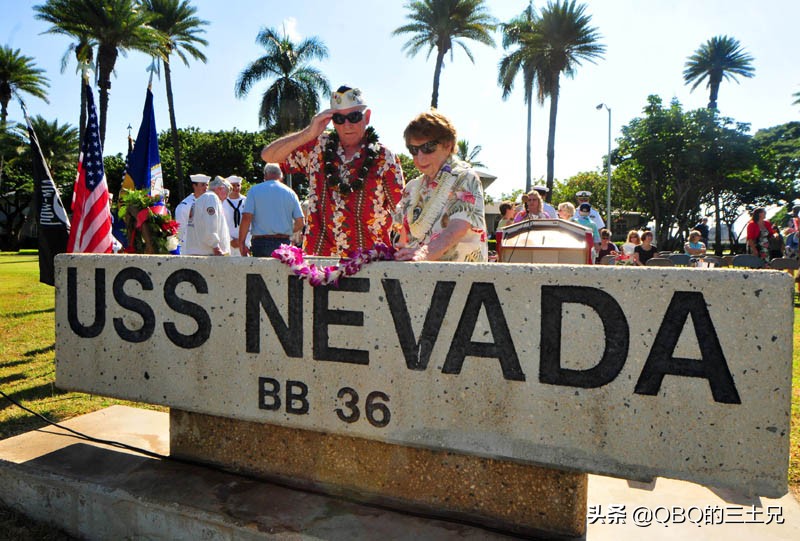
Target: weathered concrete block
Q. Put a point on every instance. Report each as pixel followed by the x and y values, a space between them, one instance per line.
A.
pixel 632 372
pixel 508 496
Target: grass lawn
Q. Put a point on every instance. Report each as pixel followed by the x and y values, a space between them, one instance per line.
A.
pixel 27 373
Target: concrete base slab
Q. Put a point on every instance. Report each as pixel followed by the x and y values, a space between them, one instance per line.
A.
pixel 97 492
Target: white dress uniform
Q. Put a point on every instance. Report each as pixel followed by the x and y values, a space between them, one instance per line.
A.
pixel 182 216
pixel 206 228
pixel 233 219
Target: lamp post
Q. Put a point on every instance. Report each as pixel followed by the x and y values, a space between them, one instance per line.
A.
pixel 608 166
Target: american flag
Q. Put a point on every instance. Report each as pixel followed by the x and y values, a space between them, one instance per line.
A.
pixel 91 217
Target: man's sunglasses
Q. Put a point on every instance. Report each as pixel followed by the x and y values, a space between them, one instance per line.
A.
pixel 354 117
pixel 426 148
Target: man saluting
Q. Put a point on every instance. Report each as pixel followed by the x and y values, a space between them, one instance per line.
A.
pixel 354 181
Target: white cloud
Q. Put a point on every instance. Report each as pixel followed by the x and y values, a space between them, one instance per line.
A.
pixel 289 26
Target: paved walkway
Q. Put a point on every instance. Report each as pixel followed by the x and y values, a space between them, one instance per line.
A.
pixel 35 469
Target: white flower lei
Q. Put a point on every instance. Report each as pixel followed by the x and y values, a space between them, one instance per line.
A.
pixel 424 223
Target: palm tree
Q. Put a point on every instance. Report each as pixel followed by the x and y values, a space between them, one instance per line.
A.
pixel 292 99
pixel 176 20
pixel 443 24
pixel 115 25
pixel 521 31
pixel 797 100
pixel 18 73
pixel 468 155
pixel 567 39
pixel 58 142
pixel 719 58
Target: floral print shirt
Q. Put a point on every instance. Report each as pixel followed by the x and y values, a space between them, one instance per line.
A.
pixel 339 224
pixel 434 203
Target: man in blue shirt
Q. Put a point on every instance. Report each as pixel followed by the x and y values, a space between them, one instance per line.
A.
pixel 271 214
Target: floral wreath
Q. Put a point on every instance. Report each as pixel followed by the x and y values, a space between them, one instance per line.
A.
pixel 347 266
pixel 148 216
pixel 332 176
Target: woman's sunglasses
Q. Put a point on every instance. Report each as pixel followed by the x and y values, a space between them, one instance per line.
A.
pixel 426 148
pixel 354 117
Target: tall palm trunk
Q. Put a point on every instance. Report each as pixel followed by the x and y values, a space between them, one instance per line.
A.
pixel 551 136
pixel 714 94
pixel 528 148
pixel 176 145
pixel 436 73
pixel 106 58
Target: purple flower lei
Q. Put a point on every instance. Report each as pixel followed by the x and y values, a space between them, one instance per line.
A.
pixel 323 276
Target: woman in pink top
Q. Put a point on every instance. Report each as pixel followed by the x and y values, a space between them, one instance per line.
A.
pixel 534 209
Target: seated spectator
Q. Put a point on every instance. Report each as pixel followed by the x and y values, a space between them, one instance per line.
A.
pixel 534 209
pixel 695 246
pixel 606 247
pixel 506 214
pixel 646 250
pixel 566 211
pixel 631 242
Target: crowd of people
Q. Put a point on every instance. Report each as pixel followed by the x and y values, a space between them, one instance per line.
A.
pixel 358 198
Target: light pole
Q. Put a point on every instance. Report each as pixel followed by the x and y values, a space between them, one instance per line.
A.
pixel 608 166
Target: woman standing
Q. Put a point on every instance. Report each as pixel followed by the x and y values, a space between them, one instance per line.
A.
pixel 645 251
pixel 759 231
pixel 534 209
pixel 440 216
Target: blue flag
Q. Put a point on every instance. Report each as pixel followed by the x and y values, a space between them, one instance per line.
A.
pixel 143 170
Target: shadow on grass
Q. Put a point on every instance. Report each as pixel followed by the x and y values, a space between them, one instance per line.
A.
pixel 35 352
pixel 18 261
pixel 9 364
pixel 45 390
pixel 12 377
pixel 30 313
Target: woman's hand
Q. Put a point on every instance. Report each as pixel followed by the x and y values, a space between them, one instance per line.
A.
pixel 417 253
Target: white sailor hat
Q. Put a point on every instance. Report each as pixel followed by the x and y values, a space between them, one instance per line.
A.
pixel 200 178
pixel 583 193
pixel 540 188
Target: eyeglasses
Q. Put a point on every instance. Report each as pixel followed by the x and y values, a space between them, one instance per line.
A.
pixel 354 117
pixel 426 148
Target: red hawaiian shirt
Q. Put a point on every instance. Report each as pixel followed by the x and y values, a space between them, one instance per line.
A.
pixel 337 223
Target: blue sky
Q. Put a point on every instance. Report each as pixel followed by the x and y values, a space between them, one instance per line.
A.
pixel 647 45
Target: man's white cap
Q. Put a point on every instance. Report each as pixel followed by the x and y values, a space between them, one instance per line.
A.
pixel 583 193
pixel 233 179
pixel 346 97
pixel 540 188
pixel 200 178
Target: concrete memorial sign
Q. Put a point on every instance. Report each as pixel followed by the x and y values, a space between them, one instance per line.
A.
pixel 629 372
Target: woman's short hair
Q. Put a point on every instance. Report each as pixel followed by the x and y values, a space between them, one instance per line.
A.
pixel 567 206
pixel 431 125
pixel 695 233
pixel 605 233
pixel 504 206
pixel 631 233
pixel 646 234
pixel 756 211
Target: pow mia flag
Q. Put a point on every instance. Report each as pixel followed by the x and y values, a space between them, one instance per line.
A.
pixel 51 217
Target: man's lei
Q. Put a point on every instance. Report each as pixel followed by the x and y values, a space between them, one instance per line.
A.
pixel 332 176
pixel 347 266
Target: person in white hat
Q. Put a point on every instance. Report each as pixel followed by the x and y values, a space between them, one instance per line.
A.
pixel 207 231
pixel 355 182
pixel 548 208
pixel 232 207
pixel 583 197
pixel 199 187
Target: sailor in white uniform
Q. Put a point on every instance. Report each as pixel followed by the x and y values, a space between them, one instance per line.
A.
pixel 199 187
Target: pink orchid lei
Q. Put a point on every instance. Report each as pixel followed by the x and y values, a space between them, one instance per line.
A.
pixel 347 266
